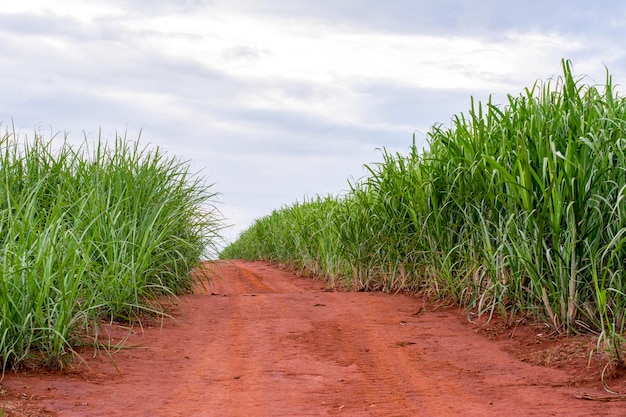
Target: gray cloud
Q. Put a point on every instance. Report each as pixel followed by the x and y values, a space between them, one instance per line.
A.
pixel 448 17
pixel 37 24
pixel 164 6
pixel 244 53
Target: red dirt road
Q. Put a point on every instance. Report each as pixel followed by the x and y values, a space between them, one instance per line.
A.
pixel 263 342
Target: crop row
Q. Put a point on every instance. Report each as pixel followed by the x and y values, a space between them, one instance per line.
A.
pixel 91 233
pixel 513 209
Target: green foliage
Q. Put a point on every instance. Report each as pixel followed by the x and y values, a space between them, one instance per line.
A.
pixel 512 208
pixel 86 235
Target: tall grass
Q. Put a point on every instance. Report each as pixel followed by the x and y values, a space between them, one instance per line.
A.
pixel 91 232
pixel 514 208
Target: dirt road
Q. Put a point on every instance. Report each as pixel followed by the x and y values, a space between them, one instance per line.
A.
pixel 263 342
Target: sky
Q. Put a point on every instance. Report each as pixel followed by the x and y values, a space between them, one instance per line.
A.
pixel 278 101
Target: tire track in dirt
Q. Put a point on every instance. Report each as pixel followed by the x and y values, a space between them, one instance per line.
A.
pixel 259 341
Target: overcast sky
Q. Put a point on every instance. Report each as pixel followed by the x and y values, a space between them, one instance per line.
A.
pixel 279 100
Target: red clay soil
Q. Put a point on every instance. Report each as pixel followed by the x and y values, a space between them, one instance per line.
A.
pixel 260 341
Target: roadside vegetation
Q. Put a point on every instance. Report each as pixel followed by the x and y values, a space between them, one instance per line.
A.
pixel 514 209
pixel 88 234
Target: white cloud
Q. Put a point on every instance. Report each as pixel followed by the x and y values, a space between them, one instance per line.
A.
pixel 279 100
